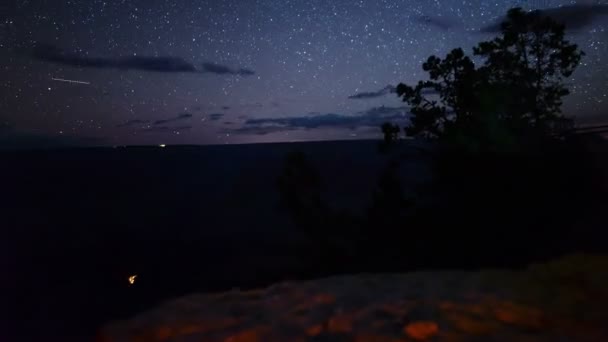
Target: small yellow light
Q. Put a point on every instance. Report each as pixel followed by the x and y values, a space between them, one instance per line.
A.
pixel 132 279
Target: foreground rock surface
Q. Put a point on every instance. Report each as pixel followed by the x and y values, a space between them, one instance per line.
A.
pixel 564 300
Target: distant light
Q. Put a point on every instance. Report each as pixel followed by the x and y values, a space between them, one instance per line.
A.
pixel 132 279
pixel 162 145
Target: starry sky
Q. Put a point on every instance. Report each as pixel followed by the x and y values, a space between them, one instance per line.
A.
pixel 124 72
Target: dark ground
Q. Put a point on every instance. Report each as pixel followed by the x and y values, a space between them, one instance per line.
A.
pixel 76 223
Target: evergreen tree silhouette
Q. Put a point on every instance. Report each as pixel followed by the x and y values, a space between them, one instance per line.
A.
pixel 516 93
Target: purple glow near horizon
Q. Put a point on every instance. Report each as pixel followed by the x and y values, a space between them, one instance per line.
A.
pixel 214 72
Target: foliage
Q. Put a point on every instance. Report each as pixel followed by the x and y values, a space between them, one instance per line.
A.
pixel 480 197
pixel 531 60
pixel 300 188
pixel 515 94
pixel 388 210
pixel 390 134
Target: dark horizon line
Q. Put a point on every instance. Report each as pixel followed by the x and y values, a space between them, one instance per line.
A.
pixel 109 146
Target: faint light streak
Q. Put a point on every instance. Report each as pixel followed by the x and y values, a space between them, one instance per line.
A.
pixel 162 145
pixel 70 81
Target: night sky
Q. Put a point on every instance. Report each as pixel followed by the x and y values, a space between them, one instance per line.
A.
pixel 119 72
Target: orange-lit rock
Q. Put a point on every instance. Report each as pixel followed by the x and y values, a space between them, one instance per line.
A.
pixel 377 325
pixel 511 313
pixel 163 333
pixel 373 308
pixel 472 325
pixel 447 306
pixel 324 298
pixel 478 309
pixel 258 334
pixel 376 338
pixel 340 324
pixel 190 329
pixel 396 309
pixel 314 330
pixel 421 330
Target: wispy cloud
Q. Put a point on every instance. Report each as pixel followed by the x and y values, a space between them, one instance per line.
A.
pixel 54 54
pixel 224 70
pixel 251 106
pixel 215 116
pixel 180 117
pixel 377 114
pixel 389 89
pixel 166 129
pixel 168 64
pixel 440 22
pixel 158 125
pixel 133 122
pixel 429 91
pixel 256 130
pixel 370 118
pixel 574 17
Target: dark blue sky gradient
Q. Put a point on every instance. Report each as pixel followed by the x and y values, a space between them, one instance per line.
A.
pixel 214 72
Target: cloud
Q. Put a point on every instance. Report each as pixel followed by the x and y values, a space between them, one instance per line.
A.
pixel 216 116
pixel 51 53
pixel 439 22
pixel 169 64
pixel 429 91
pixel 166 129
pixel 383 113
pixel 305 122
pixel 389 89
pixel 574 17
pixel 255 105
pixel 134 122
pixel 137 122
pixel 225 107
pixel 256 130
pixel 372 117
pixel 224 70
pixel 180 117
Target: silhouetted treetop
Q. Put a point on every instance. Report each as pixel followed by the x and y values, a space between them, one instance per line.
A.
pixel 453 79
pixel 516 92
pixel 534 57
pixel 390 132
